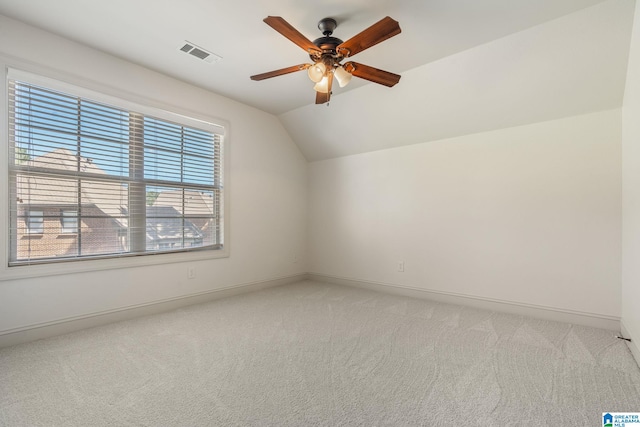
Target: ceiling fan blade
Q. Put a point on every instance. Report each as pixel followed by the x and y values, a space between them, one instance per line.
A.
pixel 323 98
pixel 284 28
pixel 280 72
pixel 372 74
pixel 378 32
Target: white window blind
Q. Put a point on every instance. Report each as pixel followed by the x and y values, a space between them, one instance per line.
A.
pixel 106 181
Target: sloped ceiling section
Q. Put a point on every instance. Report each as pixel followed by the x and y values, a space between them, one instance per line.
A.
pixel 568 66
pixel 467 66
pixel 150 33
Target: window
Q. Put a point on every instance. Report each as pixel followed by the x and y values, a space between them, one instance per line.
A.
pixel 34 222
pixel 139 183
pixel 69 222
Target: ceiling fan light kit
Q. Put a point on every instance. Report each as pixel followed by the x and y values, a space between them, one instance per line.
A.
pixel 322 85
pixel 342 76
pixel 327 52
pixel 316 71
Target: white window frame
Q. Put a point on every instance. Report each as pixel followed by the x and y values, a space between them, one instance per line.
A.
pixel 30 230
pixel 108 95
pixel 70 215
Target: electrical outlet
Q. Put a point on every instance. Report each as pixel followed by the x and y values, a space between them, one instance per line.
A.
pixel 191 272
pixel 401 266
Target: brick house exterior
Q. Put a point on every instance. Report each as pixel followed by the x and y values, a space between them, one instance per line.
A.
pixel 46 223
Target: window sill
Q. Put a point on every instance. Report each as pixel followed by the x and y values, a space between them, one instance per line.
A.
pixel 84 266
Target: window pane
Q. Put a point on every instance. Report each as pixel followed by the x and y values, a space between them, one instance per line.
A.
pixel 198 170
pixel 180 218
pixel 103 207
pixel 106 157
pixel 162 165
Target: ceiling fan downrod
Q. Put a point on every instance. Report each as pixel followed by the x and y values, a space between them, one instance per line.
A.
pixel 327 44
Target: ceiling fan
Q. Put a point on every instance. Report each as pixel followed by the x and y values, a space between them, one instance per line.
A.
pixel 327 52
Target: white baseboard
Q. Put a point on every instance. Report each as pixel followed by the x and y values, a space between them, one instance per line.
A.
pixel 633 344
pixel 540 312
pixel 64 326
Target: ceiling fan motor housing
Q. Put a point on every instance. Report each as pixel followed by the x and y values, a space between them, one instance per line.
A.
pixel 327 44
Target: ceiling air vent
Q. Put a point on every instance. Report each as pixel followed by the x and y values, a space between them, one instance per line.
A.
pixel 199 52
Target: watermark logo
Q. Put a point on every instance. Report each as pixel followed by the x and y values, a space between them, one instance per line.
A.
pixel 620 419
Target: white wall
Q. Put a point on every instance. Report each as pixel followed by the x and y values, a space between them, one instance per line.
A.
pixel 529 214
pixel 631 192
pixel 267 183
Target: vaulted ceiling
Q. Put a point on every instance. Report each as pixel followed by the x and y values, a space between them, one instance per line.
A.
pixel 467 66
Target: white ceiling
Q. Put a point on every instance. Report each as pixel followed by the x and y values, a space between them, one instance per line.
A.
pixel 466 65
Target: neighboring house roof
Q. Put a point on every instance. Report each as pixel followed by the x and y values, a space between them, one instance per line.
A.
pixel 195 202
pixel 165 223
pixel 164 220
pixel 44 191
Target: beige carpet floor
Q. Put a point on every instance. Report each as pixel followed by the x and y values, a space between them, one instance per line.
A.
pixel 312 354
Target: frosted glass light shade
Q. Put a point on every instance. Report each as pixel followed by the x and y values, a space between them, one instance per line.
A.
pixel 342 75
pixel 322 85
pixel 316 71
